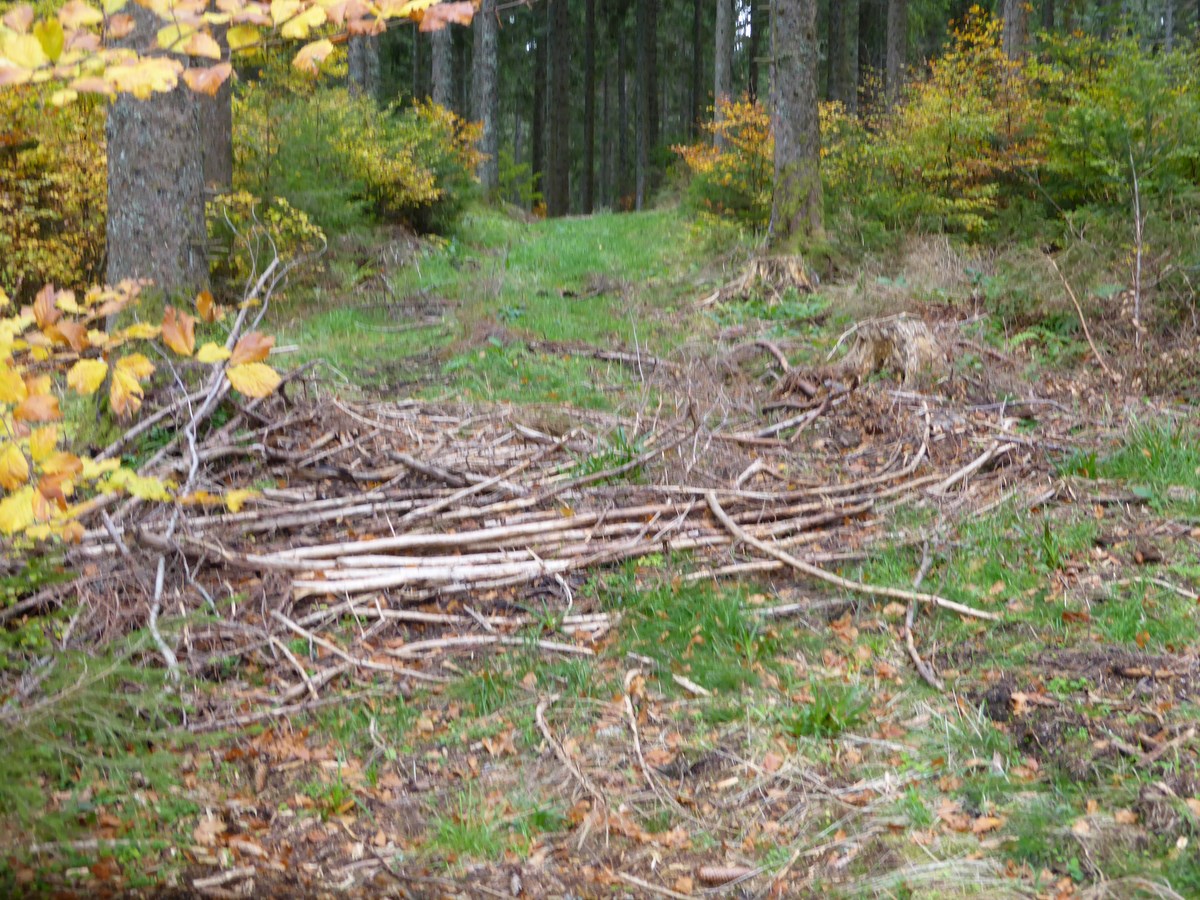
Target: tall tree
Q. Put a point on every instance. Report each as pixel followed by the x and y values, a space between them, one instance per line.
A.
pixel 443 67
pixel 623 167
pixel 216 126
pixel 1016 27
pixel 589 106
pixel 485 94
pixel 754 50
pixel 537 131
pixel 420 88
pixel 644 101
pixel 558 194
pixel 697 67
pixel 155 227
pixel 796 213
pixel 723 59
pixel 362 64
pixel 843 53
pixel 897 47
pixel 1048 15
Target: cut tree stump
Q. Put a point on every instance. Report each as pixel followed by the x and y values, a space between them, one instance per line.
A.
pixel 902 344
pixel 766 276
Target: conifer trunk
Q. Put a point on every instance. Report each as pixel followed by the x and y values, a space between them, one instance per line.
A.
pixel 1016 27
pixel 897 47
pixel 216 125
pixel 797 212
pixel 723 61
pixel 589 106
pixel 155 227
pixel 362 64
pixel 485 94
pixel 537 131
pixel 443 67
pixel 558 197
pixel 697 67
pixel 644 102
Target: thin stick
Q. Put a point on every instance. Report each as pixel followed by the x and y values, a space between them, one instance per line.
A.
pixel 468 641
pixel 652 888
pixel 561 752
pixel 839 581
pixel 925 670
pixel 291 657
pixel 354 661
pixel 1083 321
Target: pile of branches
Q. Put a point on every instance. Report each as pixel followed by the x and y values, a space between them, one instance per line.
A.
pixel 414 519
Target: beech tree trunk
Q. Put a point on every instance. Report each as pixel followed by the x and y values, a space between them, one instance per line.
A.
pixel 485 96
pixel 796 214
pixel 558 196
pixel 443 67
pixel 589 107
pixel 723 61
pixel 897 47
pixel 1016 27
pixel 362 63
pixel 155 226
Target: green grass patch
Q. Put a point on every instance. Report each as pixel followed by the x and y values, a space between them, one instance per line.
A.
pixel 1159 460
pixel 479 828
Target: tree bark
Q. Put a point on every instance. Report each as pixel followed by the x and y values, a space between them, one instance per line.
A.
pixel 623 166
pixel 754 48
pixel 1048 15
pixel 723 62
pixel 843 54
pixel 697 67
pixel 897 48
pixel 155 227
pixel 1016 27
pixel 362 64
pixel 216 126
pixel 443 67
pixel 558 196
pixel 420 90
pixel 537 131
pixel 485 96
pixel 589 107
pixel 644 101
pixel 1169 25
pixel 796 213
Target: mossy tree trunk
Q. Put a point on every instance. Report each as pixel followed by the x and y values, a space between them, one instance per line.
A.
pixel 485 97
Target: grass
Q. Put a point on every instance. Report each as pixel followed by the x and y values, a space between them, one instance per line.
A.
pixel 479 828
pixel 606 280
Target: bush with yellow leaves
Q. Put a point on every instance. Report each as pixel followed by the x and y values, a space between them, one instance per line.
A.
pixel 58 343
pixel 52 190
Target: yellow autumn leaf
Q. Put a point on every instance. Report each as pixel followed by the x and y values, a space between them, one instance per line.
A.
pixel 4 301
pixel 140 331
pixel 414 6
pixel 125 393
pixel 14 467
pixel 136 364
pixel 50 35
pixel 170 37
pixel 253 379
pixel 114 6
pixel 24 50
pixel 16 511
pixel 12 385
pixel 147 76
pixel 298 27
pixel 239 37
pixel 211 353
pixel 140 486
pixel 202 44
pixel 179 331
pixel 282 10
pixel 63 97
pixel 77 14
pixel 311 56
pixel 86 376
pixel 43 442
pixel 236 499
pixel 93 469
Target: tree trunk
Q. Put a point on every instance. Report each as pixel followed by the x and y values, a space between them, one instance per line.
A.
pixel 697 67
pixel 589 107
pixel 797 212
pixel 362 63
pixel 623 166
pixel 420 90
pixel 644 100
pixel 655 117
pixel 537 131
pixel 216 126
pixel 462 68
pixel 897 47
pixel 1169 25
pixel 754 48
pixel 723 62
pixel 155 226
pixel 1048 15
pixel 485 95
pixel 843 54
pixel 1016 27
pixel 606 142
pixel 443 67
pixel 558 196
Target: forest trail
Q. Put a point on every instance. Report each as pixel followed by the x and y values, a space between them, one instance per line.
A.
pixel 541 639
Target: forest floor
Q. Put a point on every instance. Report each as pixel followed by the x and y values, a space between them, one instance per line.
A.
pixel 664 708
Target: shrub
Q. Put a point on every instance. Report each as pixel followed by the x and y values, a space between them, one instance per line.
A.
pixel 345 162
pixel 52 190
pixel 249 235
pixel 733 181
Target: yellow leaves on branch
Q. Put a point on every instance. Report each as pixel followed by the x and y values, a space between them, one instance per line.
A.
pixel 67 47
pixel 59 339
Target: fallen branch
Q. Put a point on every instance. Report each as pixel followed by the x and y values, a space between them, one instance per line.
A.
pixel 839 581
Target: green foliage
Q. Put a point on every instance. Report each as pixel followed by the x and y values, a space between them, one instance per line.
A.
pixel 345 162
pixel 732 172
pixel 833 710
pixel 53 193
pixel 250 235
